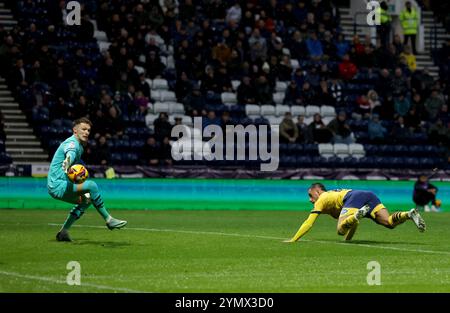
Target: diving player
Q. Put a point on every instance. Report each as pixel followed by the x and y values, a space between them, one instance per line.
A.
pixel 61 188
pixel 349 206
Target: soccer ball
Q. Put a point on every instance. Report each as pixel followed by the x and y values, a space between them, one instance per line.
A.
pixel 77 174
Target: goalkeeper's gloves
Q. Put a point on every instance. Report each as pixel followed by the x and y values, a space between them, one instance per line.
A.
pixel 66 164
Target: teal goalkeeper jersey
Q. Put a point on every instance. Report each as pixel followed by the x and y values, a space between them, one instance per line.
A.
pixel 56 174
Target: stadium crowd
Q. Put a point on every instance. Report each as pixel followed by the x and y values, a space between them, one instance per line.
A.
pixel 58 73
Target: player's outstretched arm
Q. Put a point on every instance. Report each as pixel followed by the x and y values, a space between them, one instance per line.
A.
pixel 306 226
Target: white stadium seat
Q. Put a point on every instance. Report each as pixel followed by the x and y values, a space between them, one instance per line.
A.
pixel 267 110
pixel 275 120
pixel 175 107
pixel 278 97
pixel 308 120
pixel 159 107
pixel 327 111
pixel 326 150
pixel 228 97
pixel 356 150
pixel 155 95
pixel 252 109
pixel 235 84
pixel 281 109
pixel 294 63
pixel 311 110
pixel 100 36
pixel 297 110
pixel 167 96
pixel 170 62
pixel 150 119
pixel 163 60
pixel 340 150
pixel 280 86
pixel 149 82
pixel 160 84
pixel 327 120
pixel 187 120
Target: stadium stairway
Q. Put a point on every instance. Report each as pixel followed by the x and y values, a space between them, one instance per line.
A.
pixel 424 60
pixel 21 144
pixel 6 17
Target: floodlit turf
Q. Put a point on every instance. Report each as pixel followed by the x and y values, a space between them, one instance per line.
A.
pixel 219 251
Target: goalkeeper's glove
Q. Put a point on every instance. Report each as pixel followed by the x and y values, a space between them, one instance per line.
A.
pixel 66 164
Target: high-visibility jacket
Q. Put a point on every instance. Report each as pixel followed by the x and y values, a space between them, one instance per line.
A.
pixel 384 16
pixel 409 21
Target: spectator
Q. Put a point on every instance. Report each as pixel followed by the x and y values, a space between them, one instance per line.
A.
pixel 162 126
pixel 102 152
pixel 340 129
pixel 166 152
pixel 384 30
pixel 194 102
pixel 210 119
pixel 314 46
pixel 409 19
pixel 374 101
pixel 150 154
pixel 401 105
pixel 318 130
pixel 433 104
pixel 303 133
pixel 336 89
pixel 183 87
pixel 400 133
pixel 439 134
pixel 424 194
pixel 307 94
pixel 246 93
pixel 410 59
pixel 288 129
pixel 377 132
pixel 412 120
pixel 292 94
pixel 363 110
pixel 324 97
pixel 347 69
pixel 399 84
pixel 264 94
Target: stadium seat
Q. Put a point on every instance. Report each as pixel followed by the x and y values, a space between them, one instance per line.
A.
pixel 252 110
pixel 228 97
pixel 326 150
pixel 275 120
pixel 160 84
pixel 327 111
pixel 155 95
pixel 267 110
pixel 150 119
pixel 235 84
pixel 278 97
pixel 168 96
pixel 356 150
pixel 297 110
pixel 175 107
pixel 187 120
pixel 160 107
pixel 295 64
pixel 281 109
pixel 341 150
pixel 280 86
pixel 311 110
pixel 327 120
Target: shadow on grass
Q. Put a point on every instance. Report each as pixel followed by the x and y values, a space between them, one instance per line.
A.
pixel 376 242
pixel 105 244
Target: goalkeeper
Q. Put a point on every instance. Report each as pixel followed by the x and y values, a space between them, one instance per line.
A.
pixel 349 206
pixel 61 188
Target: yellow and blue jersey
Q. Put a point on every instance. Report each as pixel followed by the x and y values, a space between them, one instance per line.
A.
pixel 331 202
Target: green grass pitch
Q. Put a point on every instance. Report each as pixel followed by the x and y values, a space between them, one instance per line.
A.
pixel 219 251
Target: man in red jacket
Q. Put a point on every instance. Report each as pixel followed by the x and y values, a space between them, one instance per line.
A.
pixel 347 69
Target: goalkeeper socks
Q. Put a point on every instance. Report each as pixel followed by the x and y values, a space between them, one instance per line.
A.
pixel 398 218
pixel 74 214
pixel 97 199
pixel 99 205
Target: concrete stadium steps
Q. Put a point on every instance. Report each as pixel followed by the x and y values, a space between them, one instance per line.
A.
pixel 21 144
pixel 6 17
pixel 424 59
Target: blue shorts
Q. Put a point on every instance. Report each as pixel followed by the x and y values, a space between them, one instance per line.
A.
pixel 356 199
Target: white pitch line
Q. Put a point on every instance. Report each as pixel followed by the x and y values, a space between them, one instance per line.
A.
pixel 264 237
pixel 51 280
